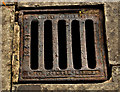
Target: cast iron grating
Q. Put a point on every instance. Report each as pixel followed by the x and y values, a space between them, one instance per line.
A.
pixel 62 46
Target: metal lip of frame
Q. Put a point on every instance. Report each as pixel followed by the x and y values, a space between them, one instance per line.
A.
pixel 56 74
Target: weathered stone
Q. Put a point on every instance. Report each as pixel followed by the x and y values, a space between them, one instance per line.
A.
pixel 116 73
pixel 7 36
pixel 96 86
pixel 111 22
pixel 0 48
pixel 15 58
pixel 41 4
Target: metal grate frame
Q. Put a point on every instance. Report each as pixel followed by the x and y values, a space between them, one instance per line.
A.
pixel 57 74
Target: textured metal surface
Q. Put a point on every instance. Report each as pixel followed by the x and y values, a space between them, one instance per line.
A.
pixel 57 74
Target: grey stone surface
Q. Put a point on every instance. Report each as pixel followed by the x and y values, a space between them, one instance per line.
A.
pixel 7 33
pixel 111 23
pixel 40 4
pixel 96 86
pixel 116 73
pixel 0 48
pixel 119 31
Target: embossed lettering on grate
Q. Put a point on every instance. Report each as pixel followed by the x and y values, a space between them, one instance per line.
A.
pixel 62 44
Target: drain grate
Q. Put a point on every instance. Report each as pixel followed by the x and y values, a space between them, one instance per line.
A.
pixel 62 45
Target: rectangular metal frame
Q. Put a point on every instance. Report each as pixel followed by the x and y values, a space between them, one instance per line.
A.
pixel 56 74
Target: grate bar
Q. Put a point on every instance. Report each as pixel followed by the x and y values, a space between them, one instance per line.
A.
pixel 55 45
pixel 97 45
pixel 69 45
pixel 41 45
pixel 83 45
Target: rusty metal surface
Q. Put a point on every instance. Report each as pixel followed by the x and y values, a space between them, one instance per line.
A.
pixel 57 74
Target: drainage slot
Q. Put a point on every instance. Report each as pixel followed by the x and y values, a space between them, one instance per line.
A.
pixel 48 50
pixel 90 44
pixel 62 44
pixel 76 46
pixel 34 44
